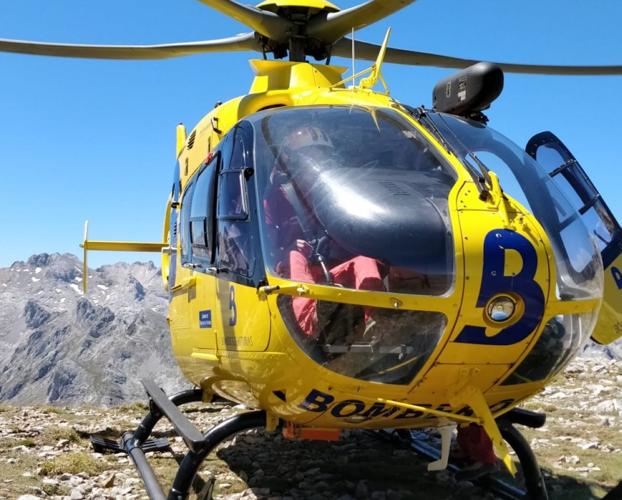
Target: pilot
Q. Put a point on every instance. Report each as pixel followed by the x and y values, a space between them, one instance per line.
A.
pixel 298 234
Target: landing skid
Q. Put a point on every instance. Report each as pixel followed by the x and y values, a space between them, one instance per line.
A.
pixel 136 443
pixel 534 486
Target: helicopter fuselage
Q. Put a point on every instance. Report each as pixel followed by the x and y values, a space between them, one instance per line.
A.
pixel 469 276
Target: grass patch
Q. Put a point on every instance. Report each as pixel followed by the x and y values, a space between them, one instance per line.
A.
pixel 56 489
pixel 56 410
pixel 8 443
pixel 18 485
pixel 54 434
pixel 27 442
pixel 73 463
pixel 138 407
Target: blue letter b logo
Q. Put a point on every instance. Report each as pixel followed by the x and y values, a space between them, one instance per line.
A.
pixel 495 282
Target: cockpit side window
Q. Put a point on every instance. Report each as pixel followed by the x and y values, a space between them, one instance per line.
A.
pixel 201 210
pixel 173 226
pixel 186 245
pixel 232 199
pixel 235 235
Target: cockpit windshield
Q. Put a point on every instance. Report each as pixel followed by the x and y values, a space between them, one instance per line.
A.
pixel 355 198
pixel 579 268
pixel 345 188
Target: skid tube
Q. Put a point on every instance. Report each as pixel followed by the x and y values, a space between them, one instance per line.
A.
pixel 136 443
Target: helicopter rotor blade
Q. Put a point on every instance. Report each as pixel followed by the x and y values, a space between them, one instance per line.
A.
pixel 369 52
pixel 266 23
pixel 338 24
pixel 237 43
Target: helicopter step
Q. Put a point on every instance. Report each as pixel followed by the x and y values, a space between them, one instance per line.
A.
pixel 136 444
pixel 534 486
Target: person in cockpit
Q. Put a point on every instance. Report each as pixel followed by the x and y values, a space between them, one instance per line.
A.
pixel 301 241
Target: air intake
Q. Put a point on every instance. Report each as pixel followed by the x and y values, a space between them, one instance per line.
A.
pixel 191 139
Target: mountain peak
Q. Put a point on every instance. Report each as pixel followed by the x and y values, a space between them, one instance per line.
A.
pixel 58 344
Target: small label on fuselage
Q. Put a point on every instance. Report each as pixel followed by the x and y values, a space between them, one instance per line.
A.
pixel 205 319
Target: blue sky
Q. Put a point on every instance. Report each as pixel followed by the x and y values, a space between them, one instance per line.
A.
pixel 95 139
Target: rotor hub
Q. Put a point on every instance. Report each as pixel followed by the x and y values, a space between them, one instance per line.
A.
pixel 310 6
pixel 298 44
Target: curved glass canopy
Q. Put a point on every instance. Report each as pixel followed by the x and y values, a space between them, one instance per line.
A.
pixel 578 263
pixel 357 198
pixel 352 182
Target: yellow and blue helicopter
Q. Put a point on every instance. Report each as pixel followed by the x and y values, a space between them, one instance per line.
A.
pixel 440 278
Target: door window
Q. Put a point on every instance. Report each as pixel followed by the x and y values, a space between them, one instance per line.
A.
pixel 201 212
pixel 572 180
pixel 185 243
pixel 173 228
pixel 235 234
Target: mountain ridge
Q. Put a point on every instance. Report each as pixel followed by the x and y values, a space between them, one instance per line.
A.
pixel 59 346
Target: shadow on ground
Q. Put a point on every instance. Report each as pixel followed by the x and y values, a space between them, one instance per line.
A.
pixel 359 466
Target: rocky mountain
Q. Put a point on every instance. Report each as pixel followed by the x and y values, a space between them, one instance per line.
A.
pixel 59 345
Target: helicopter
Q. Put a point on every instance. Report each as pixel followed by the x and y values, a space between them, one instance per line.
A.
pixel 485 267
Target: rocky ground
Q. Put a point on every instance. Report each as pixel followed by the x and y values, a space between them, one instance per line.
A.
pixel 45 452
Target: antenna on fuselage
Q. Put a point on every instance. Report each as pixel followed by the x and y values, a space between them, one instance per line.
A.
pixel 353 60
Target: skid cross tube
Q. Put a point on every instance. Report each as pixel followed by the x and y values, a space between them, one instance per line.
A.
pixel 192 461
pixel 188 432
pixel 136 443
pixel 145 428
pixel 534 482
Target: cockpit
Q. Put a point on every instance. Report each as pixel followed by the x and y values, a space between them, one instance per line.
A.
pixel 355 198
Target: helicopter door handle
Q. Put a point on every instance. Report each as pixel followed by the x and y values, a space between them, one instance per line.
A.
pixel 187 283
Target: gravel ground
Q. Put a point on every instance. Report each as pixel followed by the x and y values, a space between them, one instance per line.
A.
pixel 45 452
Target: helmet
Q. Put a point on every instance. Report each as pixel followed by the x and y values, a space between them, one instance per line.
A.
pixel 302 151
pixel 305 137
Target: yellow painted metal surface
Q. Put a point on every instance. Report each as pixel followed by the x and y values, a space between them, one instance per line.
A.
pixel 372 79
pixel 609 326
pixel 472 396
pixel 122 246
pixel 273 5
pixel 181 138
pixel 290 77
pixel 482 217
